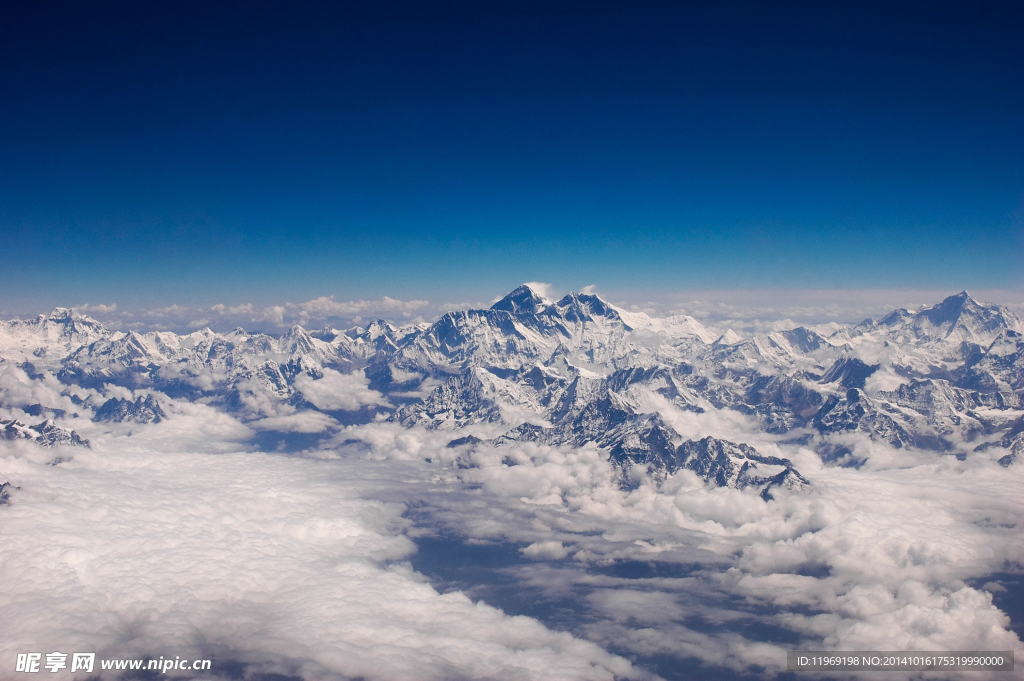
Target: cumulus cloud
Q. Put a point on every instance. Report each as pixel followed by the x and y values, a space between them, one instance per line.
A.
pixel 299 422
pixel 18 390
pixel 243 309
pixel 549 550
pixel 326 307
pixel 99 308
pixel 335 390
pixel 274 313
pixel 279 564
pixel 318 311
pixel 881 554
pixel 171 311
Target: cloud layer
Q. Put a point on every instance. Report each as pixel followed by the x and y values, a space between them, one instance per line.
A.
pixel 281 564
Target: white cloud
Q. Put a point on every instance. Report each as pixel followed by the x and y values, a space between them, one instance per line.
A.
pixel 545 550
pixel 892 545
pixel 274 313
pixel 171 311
pixel 540 288
pixel 299 422
pixel 112 391
pixel 451 307
pixel 147 533
pixel 100 308
pixel 336 390
pixel 277 563
pixel 316 311
pixel 243 309
pixel 325 307
pixel 589 290
pixel 18 390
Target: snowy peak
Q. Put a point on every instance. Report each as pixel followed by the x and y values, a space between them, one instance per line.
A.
pixel 522 301
pixel 730 337
pixel 46 434
pixel 944 318
pixel 298 342
pixel 802 339
pixel 957 319
pixel 949 310
pixel 61 326
pixel 678 326
pixel 729 464
pixel 72 326
pixel 975 322
pixel 376 329
pixel 584 368
pixel 578 308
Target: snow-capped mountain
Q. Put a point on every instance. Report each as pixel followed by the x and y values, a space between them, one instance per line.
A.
pixel 46 434
pixel 947 379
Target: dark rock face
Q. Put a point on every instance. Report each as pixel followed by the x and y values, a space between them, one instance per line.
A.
pixel 461 441
pixel 1013 441
pixel 142 410
pixel 728 464
pixel 849 372
pixel 40 410
pixel 459 400
pixel 856 412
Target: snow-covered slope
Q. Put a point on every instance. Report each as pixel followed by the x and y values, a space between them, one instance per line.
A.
pixel 945 379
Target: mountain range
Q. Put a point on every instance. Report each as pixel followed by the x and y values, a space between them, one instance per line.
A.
pixel 946 379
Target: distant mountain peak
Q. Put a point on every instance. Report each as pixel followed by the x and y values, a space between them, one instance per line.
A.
pixel 730 337
pixel 586 306
pixel 522 300
pixel 949 307
pixel 63 315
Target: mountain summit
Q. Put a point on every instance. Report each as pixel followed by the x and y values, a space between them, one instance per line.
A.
pixel 523 300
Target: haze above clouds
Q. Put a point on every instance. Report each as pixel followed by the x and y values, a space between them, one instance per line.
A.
pixel 743 311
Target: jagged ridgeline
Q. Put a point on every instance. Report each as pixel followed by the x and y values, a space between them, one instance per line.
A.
pixel 947 379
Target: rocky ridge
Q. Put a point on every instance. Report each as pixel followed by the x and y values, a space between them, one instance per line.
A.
pixel 947 379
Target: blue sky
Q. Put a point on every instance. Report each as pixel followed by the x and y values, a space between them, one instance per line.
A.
pixel 449 151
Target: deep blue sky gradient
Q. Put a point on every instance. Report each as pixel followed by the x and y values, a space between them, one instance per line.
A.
pixel 221 152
